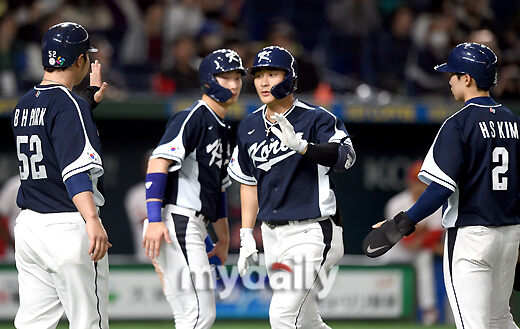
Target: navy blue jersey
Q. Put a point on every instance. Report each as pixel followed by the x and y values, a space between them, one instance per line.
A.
pixel 289 185
pixel 475 154
pixel 196 139
pixel 56 138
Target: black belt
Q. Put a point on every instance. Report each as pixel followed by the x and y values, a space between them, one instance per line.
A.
pixel 273 224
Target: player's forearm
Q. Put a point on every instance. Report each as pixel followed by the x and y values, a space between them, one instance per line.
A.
pixel 222 230
pixel 429 201
pixel 84 202
pixel 340 157
pixel 249 203
pixel 159 165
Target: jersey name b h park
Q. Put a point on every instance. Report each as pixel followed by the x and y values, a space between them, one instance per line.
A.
pixel 476 155
pixel 56 138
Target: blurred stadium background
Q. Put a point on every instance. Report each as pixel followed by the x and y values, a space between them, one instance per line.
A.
pixel 369 61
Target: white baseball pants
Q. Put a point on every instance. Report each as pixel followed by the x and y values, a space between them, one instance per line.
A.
pixel 306 247
pixel 479 269
pixel 55 273
pixel 184 271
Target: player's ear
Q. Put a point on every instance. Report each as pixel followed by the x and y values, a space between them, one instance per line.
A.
pixel 81 61
pixel 468 79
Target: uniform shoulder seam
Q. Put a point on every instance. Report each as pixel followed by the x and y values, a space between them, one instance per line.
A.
pixel 305 105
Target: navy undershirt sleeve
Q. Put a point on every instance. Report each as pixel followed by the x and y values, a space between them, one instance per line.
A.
pixel 78 183
pixel 429 201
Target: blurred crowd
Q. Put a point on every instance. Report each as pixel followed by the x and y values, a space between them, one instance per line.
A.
pixel 154 46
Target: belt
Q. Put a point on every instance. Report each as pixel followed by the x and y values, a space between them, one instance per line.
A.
pixel 273 224
pixel 187 212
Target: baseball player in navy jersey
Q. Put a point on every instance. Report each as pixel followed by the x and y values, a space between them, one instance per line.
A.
pixel 59 239
pixel 185 189
pixel 285 152
pixel 472 168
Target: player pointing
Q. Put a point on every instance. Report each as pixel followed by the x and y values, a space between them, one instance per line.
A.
pixel 285 151
pixel 185 190
pixel 472 168
pixel 60 241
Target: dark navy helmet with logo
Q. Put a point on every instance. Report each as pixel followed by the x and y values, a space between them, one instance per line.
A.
pixel 219 61
pixel 280 58
pixel 477 60
pixel 63 43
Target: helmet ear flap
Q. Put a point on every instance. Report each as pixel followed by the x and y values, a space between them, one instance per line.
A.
pixel 286 87
pixel 216 91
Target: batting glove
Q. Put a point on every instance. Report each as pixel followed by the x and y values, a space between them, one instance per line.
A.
pixel 247 249
pixel 287 135
pixel 383 238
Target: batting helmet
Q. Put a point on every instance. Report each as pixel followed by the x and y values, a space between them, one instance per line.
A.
pixel 63 43
pixel 477 60
pixel 219 61
pixel 280 58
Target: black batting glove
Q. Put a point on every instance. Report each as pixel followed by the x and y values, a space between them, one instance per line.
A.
pixel 383 238
pixel 88 94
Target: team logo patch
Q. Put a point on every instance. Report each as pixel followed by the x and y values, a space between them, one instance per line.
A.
pixel 264 56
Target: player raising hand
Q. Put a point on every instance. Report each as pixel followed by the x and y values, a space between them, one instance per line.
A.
pixel 285 152
pixel 61 244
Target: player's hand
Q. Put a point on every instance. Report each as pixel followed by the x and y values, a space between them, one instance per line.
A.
pixel 98 238
pixel 155 232
pixel 247 249
pixel 221 250
pixel 386 234
pixel 287 135
pixel 96 81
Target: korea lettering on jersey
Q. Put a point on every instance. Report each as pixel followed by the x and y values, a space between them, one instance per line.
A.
pixel 196 139
pixel 475 154
pixel 56 138
pixel 290 186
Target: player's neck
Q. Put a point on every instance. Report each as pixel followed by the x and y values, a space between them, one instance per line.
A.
pixel 472 93
pixel 280 105
pixel 219 108
pixel 60 78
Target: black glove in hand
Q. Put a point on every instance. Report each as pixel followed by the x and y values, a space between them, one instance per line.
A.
pixel 383 238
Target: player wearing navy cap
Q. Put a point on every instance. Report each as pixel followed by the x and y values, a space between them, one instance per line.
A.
pixel 285 152
pixel 60 241
pixel 185 189
pixel 472 168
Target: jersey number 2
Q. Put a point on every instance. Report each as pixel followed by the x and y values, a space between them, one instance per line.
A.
pixel 500 184
pixel 35 145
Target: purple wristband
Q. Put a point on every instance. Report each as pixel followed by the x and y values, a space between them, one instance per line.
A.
pixel 154 211
pixel 155 186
